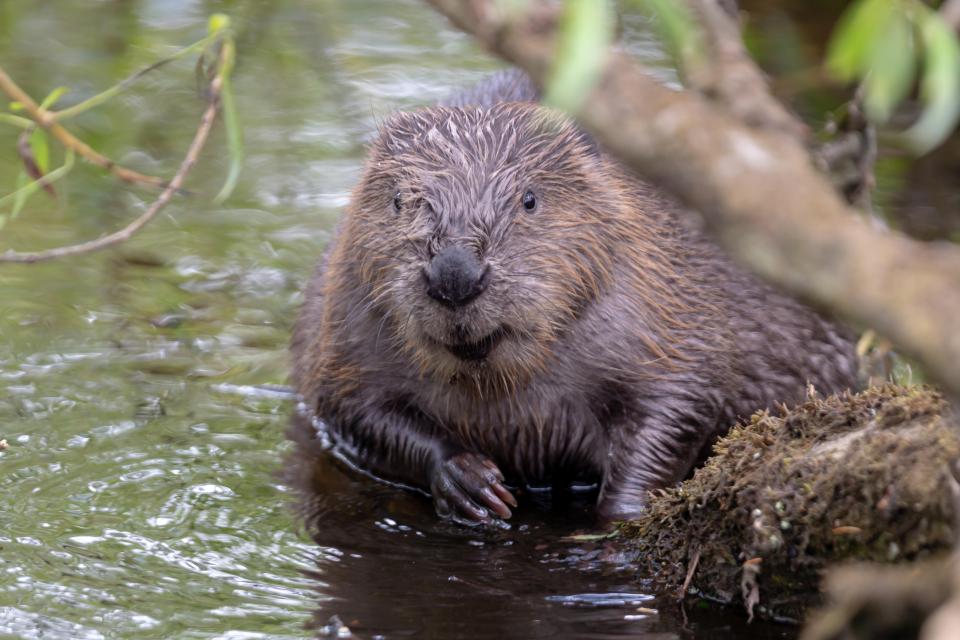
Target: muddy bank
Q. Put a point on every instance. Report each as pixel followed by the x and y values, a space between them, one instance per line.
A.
pixel 845 478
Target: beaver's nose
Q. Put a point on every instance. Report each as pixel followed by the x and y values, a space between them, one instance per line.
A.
pixel 455 276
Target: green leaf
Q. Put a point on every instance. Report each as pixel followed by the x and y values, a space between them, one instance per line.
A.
pixel 675 27
pixel 852 43
pixel 26 187
pixel 939 85
pixel 592 537
pixel 16 121
pixel 234 141
pixel 217 23
pixel 53 96
pixel 892 65
pixel 586 32
pixel 41 150
pixel 231 122
pixel 16 106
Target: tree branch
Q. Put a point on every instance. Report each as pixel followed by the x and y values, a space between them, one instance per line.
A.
pixel 47 120
pixel 729 76
pixel 171 188
pixel 950 10
pixel 757 188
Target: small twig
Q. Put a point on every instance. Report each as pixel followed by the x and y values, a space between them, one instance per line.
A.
pixel 47 120
pixel 171 188
pixel 750 585
pixel 691 569
pixel 848 157
pixel 102 97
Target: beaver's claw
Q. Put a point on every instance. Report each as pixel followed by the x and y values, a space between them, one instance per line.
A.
pixel 468 488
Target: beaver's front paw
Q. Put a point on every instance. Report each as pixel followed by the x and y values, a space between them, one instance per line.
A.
pixel 467 487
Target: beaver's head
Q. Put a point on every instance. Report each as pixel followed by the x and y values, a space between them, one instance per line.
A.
pixel 481 234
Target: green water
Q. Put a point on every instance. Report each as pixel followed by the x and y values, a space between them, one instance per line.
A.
pixel 141 492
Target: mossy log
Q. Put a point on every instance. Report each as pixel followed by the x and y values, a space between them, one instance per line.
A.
pixel 852 477
pixel 873 602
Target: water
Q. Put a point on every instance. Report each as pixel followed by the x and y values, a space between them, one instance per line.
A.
pixel 148 490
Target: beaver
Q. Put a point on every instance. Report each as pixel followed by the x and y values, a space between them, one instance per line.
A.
pixel 504 304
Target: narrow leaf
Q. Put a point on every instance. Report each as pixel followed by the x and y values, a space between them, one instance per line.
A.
pixel 850 45
pixel 940 85
pixel 230 120
pixel 41 150
pixel 25 150
pixel 891 66
pixel 586 32
pixel 217 23
pixel 52 98
pixel 234 141
pixel 25 187
pixel 16 121
pixel 675 28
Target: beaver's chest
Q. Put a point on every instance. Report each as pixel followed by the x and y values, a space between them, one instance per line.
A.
pixel 538 437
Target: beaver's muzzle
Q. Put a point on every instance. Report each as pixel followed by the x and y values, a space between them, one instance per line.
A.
pixel 455 276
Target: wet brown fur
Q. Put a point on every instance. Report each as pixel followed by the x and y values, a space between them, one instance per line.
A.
pixel 631 341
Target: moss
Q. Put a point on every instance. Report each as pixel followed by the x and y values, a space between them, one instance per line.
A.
pixel 847 477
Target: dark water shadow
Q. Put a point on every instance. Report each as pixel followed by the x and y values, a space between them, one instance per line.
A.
pixel 388 567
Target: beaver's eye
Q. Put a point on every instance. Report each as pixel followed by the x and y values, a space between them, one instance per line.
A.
pixel 529 201
pixel 397 202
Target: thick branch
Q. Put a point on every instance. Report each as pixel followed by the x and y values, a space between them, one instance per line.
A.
pixel 760 192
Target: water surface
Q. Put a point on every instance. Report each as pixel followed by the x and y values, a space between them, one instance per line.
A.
pixel 143 492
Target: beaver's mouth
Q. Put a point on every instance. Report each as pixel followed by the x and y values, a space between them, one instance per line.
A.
pixel 477 350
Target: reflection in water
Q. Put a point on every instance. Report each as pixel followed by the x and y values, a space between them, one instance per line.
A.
pixel 388 567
